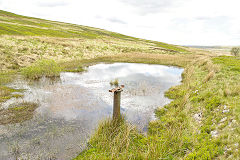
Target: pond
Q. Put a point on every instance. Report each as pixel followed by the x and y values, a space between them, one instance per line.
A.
pixel 71 107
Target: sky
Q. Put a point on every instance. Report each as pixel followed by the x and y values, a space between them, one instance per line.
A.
pixel 181 22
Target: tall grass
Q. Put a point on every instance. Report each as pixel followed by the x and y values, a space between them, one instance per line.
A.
pixel 114 139
pixel 21 51
pixel 6 77
pixel 42 68
pixel 114 83
pixel 117 139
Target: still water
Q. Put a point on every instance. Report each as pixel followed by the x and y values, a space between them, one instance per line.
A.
pixel 71 107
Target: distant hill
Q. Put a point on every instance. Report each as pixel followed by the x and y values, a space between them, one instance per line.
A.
pixel 13 24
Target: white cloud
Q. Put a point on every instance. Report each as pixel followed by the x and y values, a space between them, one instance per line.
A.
pixel 145 7
pixel 184 22
pixel 52 3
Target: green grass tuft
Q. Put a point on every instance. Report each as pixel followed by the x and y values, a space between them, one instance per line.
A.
pixel 114 139
pixel 42 68
pixel 114 83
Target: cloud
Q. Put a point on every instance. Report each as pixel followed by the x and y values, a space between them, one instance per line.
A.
pixel 52 3
pixel 115 20
pixel 182 22
pixel 151 6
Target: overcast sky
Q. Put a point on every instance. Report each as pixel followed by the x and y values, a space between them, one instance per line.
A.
pixel 182 22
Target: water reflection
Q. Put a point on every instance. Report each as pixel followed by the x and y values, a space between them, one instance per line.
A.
pixel 71 107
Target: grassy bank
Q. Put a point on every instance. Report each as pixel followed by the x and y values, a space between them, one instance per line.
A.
pixel 22 51
pixel 178 60
pixel 200 123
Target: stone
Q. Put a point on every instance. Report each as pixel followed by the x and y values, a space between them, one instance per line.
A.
pixel 223 120
pixel 198 116
pixel 214 133
pixel 225 111
pixel 225 106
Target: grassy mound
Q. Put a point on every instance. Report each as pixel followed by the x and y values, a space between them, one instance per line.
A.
pixel 42 68
pixel 114 139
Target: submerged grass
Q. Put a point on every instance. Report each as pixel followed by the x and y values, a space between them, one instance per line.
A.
pixel 6 92
pixel 114 83
pixel 17 113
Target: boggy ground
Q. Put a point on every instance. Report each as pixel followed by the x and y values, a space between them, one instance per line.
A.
pixel 200 123
pixel 50 68
pixel 17 113
pixel 37 56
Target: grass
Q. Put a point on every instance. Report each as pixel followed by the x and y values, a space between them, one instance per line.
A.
pixel 146 58
pixel 25 40
pixel 230 64
pixel 113 138
pixel 6 77
pixel 48 38
pixel 39 27
pixel 22 51
pixel 6 92
pixel 17 113
pixel 42 68
pixel 114 83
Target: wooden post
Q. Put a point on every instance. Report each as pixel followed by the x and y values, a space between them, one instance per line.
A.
pixel 116 101
pixel 116 104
